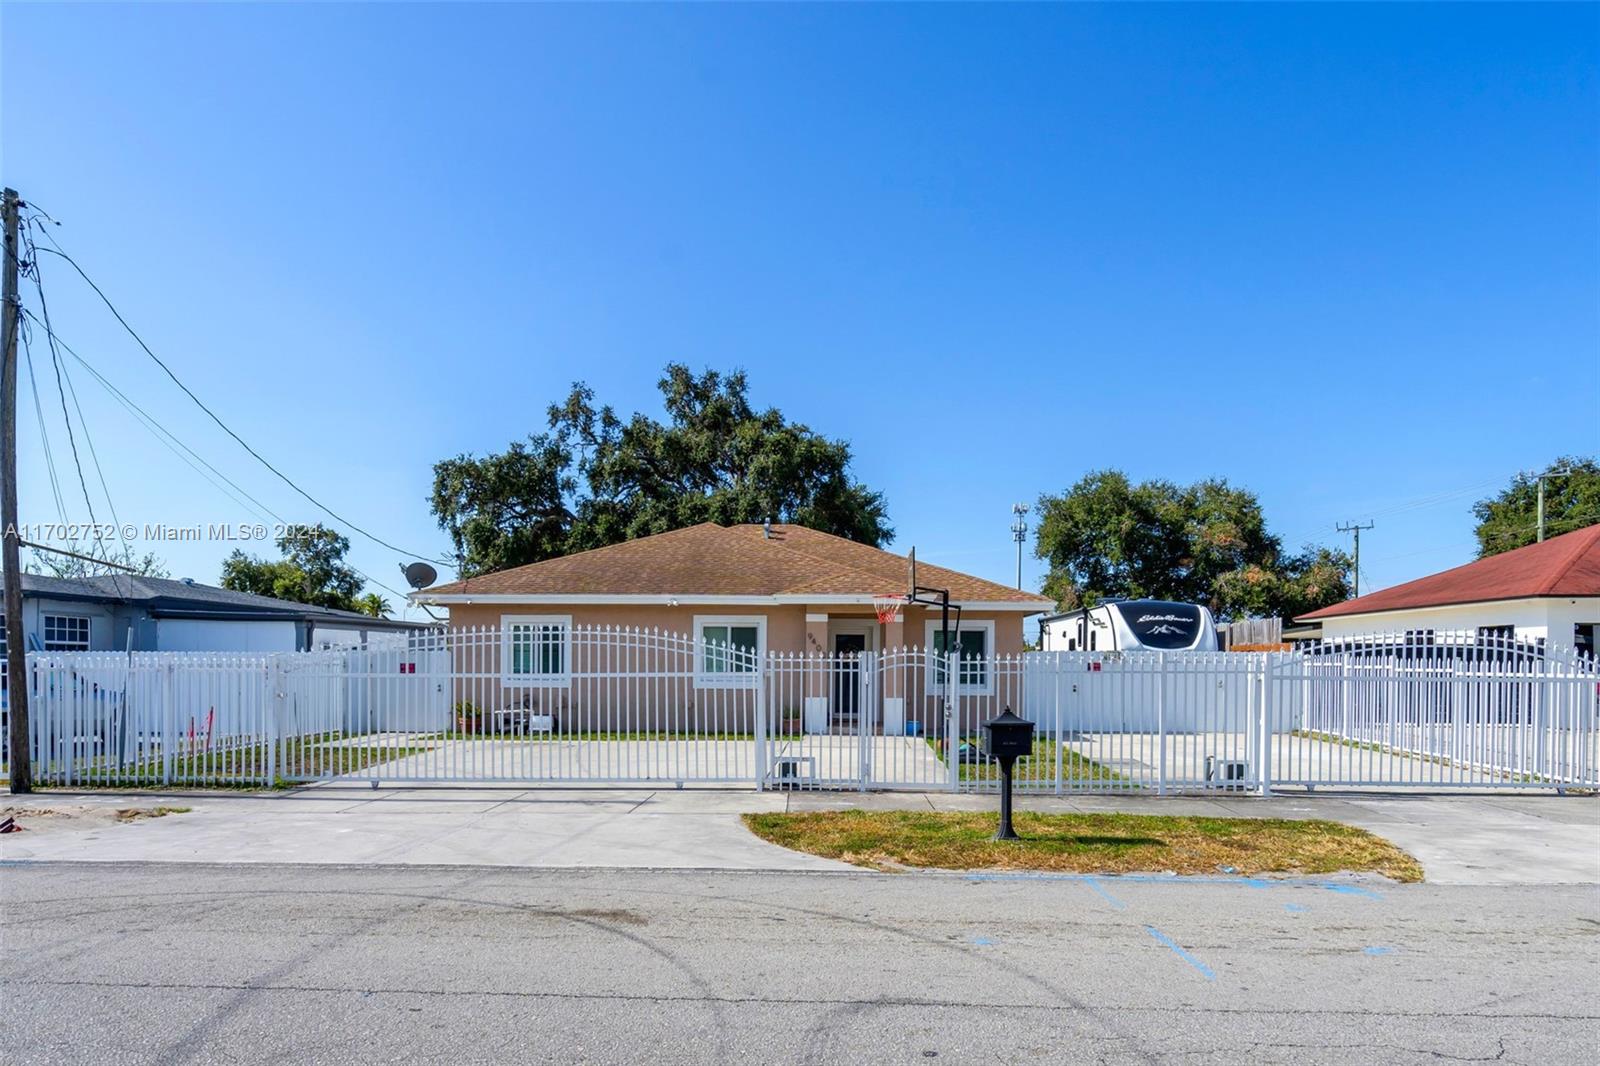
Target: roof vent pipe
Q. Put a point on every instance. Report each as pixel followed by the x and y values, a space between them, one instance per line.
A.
pixel 766 529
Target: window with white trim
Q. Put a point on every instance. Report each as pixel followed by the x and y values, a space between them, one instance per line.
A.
pixel 535 649
pixel 976 643
pixel 66 632
pixel 729 648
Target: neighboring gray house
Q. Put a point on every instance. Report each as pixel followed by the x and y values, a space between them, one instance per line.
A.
pixel 123 612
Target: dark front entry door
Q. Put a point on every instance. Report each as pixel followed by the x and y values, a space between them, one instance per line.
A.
pixel 847 649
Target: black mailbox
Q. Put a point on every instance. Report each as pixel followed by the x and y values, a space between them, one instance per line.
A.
pixel 1010 738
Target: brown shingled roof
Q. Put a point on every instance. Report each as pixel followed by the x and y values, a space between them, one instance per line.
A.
pixel 713 560
pixel 1568 565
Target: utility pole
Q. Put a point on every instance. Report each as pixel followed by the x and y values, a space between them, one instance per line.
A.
pixel 1356 528
pixel 11 553
pixel 1541 477
pixel 1019 531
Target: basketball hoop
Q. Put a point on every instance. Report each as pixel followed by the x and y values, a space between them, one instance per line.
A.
pixel 887 606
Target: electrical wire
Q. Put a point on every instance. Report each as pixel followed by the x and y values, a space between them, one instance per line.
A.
pixel 66 375
pixel 57 251
pixel 94 457
pixel 66 416
pixel 1416 503
pixel 179 448
pixel 1496 536
pixel 44 430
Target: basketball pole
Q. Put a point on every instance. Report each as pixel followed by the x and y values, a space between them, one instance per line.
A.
pixel 931 597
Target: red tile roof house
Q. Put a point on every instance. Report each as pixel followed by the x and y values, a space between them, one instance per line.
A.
pixel 779 588
pixel 1548 591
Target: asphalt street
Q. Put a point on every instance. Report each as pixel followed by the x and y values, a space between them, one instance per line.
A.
pixel 166 963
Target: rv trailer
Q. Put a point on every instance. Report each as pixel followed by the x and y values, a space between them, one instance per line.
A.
pixel 1130 625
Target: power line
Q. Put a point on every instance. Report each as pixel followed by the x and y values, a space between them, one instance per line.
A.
pixel 94 456
pixel 1415 503
pixel 64 374
pixel 66 416
pixel 224 426
pixel 1494 536
pixel 172 443
pixel 44 429
pixel 179 448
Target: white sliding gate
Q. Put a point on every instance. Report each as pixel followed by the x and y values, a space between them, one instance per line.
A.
pixel 543 702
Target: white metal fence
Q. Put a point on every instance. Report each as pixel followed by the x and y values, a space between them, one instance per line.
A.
pixel 544 703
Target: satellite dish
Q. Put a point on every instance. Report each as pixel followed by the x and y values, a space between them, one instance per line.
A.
pixel 420 575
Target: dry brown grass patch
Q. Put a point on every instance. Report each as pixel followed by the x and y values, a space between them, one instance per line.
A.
pixel 1087 843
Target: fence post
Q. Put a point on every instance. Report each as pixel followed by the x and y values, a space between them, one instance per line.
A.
pixel 866 716
pixel 952 717
pixel 1161 725
pixel 1055 686
pixel 1265 757
pixel 274 715
pixel 761 722
pixel 168 717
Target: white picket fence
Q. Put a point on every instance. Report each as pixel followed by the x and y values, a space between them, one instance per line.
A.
pixel 610 705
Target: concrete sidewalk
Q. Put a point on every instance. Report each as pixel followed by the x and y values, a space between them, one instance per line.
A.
pixel 1473 839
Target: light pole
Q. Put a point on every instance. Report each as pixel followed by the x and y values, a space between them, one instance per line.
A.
pixel 1019 531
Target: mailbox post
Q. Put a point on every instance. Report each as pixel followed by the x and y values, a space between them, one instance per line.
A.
pixel 1008 738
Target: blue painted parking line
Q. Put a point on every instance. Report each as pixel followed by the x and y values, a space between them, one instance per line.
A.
pixel 1095 886
pixel 1350 890
pixel 1204 970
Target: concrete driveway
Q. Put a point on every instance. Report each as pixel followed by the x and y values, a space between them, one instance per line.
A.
pixel 1472 839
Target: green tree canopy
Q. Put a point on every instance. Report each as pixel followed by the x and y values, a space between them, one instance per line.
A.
pixel 1203 543
pixel 595 479
pixel 1510 519
pixel 373 604
pixel 507 509
pixel 312 570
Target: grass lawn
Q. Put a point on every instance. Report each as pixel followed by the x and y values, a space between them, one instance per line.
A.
pixel 134 814
pixel 241 767
pixel 1086 843
pixel 1040 766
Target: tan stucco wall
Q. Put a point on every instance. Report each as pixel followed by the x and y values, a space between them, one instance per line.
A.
pixel 614 705
pixel 786 626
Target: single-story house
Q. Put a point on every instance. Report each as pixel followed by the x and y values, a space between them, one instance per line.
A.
pixel 1542 593
pixel 127 612
pixel 760 589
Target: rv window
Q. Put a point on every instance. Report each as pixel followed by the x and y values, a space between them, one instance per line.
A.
pixel 1163 625
pixel 1093 641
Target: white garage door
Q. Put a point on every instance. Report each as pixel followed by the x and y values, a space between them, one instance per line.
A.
pixel 188 634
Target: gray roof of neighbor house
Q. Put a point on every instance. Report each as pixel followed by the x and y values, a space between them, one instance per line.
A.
pixel 173 598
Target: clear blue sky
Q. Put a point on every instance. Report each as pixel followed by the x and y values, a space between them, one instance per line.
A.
pixel 1346 256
